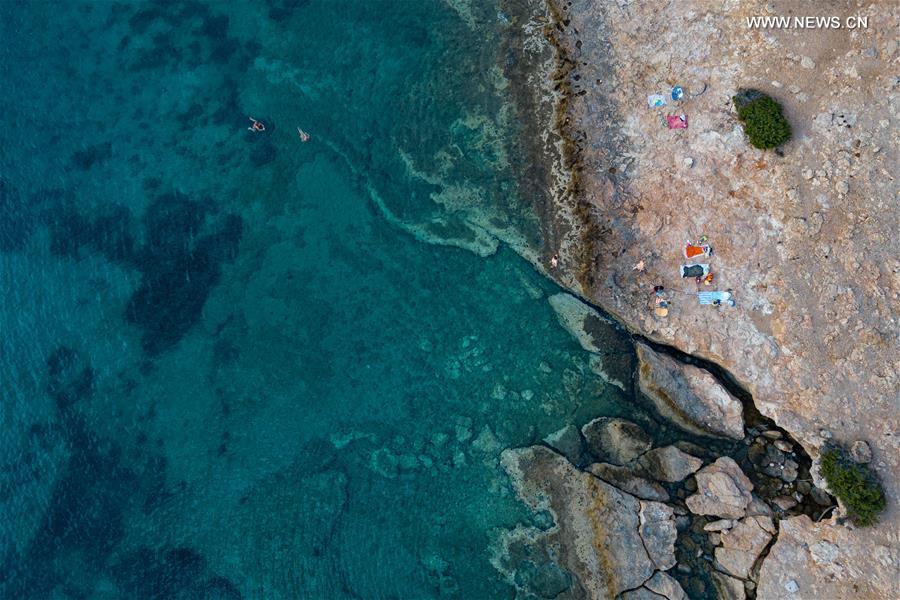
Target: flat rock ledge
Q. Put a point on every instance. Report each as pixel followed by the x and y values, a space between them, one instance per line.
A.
pixel 689 396
pixel 608 541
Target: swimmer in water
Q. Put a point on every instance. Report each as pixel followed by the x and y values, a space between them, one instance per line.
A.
pixel 304 137
pixel 257 126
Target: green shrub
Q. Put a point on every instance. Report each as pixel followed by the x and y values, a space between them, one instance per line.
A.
pixel 855 485
pixel 762 119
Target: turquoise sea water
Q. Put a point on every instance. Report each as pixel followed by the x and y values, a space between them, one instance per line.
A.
pixel 239 365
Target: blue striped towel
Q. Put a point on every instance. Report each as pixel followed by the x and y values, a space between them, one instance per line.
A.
pixel 710 297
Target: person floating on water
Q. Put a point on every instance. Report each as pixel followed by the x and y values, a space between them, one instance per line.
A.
pixel 304 137
pixel 257 126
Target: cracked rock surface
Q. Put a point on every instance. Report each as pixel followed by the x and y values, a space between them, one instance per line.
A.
pixel 742 545
pixel 607 540
pixel 689 396
pixel 818 560
pixel 722 490
pixel 618 441
pixel 669 464
pixel 628 481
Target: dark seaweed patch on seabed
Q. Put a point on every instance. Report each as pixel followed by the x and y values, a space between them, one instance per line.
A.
pixel 185 28
pixel 69 230
pixel 17 218
pixel 84 519
pixel 179 261
pixel 70 377
pixel 179 268
pixel 87 157
pixel 281 10
pixel 84 523
pixel 110 233
pixel 174 573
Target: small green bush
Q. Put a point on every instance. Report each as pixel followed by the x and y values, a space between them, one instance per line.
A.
pixel 855 485
pixel 762 119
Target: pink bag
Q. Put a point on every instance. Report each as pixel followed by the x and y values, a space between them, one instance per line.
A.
pixel 677 121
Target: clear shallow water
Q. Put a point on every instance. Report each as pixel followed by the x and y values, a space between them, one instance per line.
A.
pixel 231 365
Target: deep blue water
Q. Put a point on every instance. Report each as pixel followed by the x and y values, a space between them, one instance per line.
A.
pixel 238 365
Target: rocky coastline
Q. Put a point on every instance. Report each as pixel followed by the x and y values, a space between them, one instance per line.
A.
pixel 737 508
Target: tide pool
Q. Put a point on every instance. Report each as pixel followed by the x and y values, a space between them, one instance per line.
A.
pixel 235 364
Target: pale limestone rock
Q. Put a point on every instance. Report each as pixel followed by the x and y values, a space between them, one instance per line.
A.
pixel 596 532
pixel 728 587
pixel 722 490
pixel 666 586
pixel 822 560
pixel 720 525
pixel 758 508
pixel 617 441
pixel 842 187
pixel 627 481
pixel 641 593
pixel 689 396
pixel 785 503
pixel 860 452
pixel 824 552
pixel 783 445
pixel 657 529
pixel 742 545
pixel 669 464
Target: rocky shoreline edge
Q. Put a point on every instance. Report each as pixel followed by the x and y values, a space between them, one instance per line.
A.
pixel 582 478
pixel 718 491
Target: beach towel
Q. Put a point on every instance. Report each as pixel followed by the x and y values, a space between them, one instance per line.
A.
pixel 677 121
pixel 694 270
pixel 711 297
pixel 656 100
pixel 677 92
